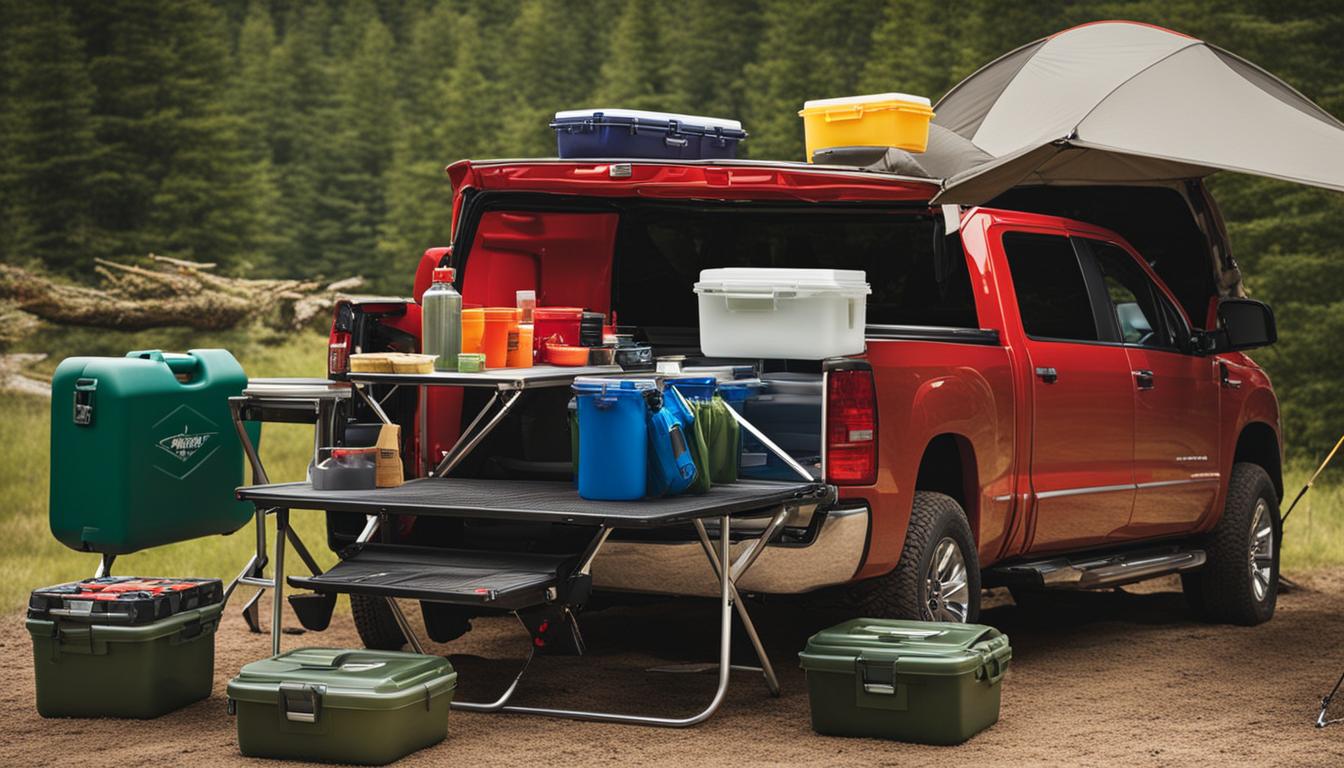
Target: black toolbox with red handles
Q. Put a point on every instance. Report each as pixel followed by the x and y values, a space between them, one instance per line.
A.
pixel 125 600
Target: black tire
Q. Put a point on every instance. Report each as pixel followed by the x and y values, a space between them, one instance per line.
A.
pixel 375 624
pixel 1225 589
pixel 905 592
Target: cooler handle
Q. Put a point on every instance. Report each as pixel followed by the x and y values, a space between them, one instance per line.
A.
pixel 301 702
pixel 878 683
pixel 852 113
pixel 178 364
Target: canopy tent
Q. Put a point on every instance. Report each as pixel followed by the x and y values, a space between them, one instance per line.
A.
pixel 1119 102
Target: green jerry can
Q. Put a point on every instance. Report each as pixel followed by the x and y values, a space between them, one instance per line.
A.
pixel 107 670
pixel 918 681
pixel 143 450
pixel 342 706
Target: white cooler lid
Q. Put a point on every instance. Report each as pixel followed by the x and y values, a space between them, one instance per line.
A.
pixel 641 114
pixel 770 279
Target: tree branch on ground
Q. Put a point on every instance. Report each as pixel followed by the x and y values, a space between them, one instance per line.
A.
pixel 168 292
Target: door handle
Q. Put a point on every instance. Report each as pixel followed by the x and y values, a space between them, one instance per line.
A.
pixel 1048 375
pixel 1143 379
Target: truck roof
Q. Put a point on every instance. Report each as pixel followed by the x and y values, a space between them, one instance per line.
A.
pixel 676 179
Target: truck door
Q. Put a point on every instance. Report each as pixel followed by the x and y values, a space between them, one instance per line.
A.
pixel 1082 437
pixel 1176 415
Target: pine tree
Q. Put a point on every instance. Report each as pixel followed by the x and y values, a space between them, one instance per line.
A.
pixel 914 49
pixel 48 140
pixel 550 65
pixel 351 205
pixel 706 44
pixel 635 73
pixel 807 51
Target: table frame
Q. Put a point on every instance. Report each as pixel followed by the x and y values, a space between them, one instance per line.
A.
pixel 508 390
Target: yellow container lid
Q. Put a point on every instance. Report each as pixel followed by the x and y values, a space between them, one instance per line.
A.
pixel 870 102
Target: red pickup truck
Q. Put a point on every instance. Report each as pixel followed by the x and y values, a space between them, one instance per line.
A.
pixel 1043 403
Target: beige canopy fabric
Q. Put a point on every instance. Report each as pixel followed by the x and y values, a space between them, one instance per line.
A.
pixel 1120 102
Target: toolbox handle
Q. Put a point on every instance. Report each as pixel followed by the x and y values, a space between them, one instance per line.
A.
pixel 178 364
pixel 997 659
pixel 108 618
pixel 301 702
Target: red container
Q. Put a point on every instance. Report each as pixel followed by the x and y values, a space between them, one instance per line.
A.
pixel 555 325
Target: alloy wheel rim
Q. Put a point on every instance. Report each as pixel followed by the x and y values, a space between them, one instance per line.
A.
pixel 1261 560
pixel 947 594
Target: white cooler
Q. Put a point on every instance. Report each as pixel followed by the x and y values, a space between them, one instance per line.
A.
pixel 799 314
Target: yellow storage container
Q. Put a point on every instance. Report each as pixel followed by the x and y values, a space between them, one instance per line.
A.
pixel 878 120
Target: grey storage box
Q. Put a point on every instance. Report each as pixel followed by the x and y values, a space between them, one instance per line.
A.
pixel 926 682
pixel 342 706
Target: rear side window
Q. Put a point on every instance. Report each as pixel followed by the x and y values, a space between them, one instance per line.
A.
pixel 1051 293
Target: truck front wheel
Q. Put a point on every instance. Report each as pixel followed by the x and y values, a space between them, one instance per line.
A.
pixel 1239 583
pixel 938 576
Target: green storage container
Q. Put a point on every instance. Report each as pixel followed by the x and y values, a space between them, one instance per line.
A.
pixel 926 682
pixel 342 706
pixel 143 450
pixel 99 670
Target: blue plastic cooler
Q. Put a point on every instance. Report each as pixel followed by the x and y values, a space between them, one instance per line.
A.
pixel 613 438
pixel 631 133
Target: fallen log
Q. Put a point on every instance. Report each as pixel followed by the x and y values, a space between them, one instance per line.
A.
pixel 173 293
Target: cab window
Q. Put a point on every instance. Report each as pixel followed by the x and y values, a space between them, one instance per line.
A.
pixel 1142 314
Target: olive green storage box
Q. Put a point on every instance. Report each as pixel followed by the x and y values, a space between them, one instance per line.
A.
pixel 926 682
pixel 143 450
pixel 342 706
pixel 101 670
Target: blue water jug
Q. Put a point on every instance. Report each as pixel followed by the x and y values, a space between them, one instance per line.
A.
pixel 671 467
pixel 613 439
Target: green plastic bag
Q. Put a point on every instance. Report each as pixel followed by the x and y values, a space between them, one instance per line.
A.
pixel 718 432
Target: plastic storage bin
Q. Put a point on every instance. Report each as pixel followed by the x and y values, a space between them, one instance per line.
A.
pixel 788 410
pixel 613 438
pixel 632 133
pixel 342 706
pixel 879 120
pixel 93 669
pixel 555 325
pixel 800 314
pixel 927 682
pixel 124 600
pixel 143 450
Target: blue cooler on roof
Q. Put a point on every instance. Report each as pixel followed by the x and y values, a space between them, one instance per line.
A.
pixel 633 133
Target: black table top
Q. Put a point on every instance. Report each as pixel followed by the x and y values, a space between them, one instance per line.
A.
pixel 533 501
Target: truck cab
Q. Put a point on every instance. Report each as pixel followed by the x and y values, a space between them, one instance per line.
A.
pixel 1036 407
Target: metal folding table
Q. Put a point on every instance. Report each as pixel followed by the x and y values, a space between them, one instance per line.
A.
pixel 540 501
pixel 438 495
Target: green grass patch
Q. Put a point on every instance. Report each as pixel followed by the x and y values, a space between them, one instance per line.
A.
pixel 1313 537
pixel 30 557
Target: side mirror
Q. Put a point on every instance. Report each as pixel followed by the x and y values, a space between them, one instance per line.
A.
pixel 1244 324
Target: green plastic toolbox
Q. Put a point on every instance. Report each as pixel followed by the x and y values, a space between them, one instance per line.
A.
pixel 342 706
pixel 926 682
pixel 88 669
pixel 143 450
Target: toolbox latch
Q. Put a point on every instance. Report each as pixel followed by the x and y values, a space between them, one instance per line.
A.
pixel 876 677
pixel 301 702
pixel 83 411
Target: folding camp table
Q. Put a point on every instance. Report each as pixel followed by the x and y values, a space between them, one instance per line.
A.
pixel 516 581
pixel 319 402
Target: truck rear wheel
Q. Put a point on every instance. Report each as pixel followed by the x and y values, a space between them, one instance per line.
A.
pixel 938 576
pixel 375 624
pixel 1240 582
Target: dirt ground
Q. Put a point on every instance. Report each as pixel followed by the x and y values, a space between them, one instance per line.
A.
pixel 1096 679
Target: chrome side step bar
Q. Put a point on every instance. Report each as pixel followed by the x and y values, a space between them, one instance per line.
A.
pixel 1097 570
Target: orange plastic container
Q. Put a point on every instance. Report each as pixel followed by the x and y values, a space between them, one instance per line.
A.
pixel 520 347
pixel 566 356
pixel 473 327
pixel 495 341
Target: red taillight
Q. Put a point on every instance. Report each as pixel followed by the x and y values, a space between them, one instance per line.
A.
pixel 851 427
pixel 338 353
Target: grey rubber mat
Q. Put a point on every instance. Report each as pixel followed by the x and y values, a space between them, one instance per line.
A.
pixel 533 500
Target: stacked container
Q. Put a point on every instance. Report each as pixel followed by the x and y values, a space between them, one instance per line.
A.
pixel 117 647
pixel 798 314
pixel 632 133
